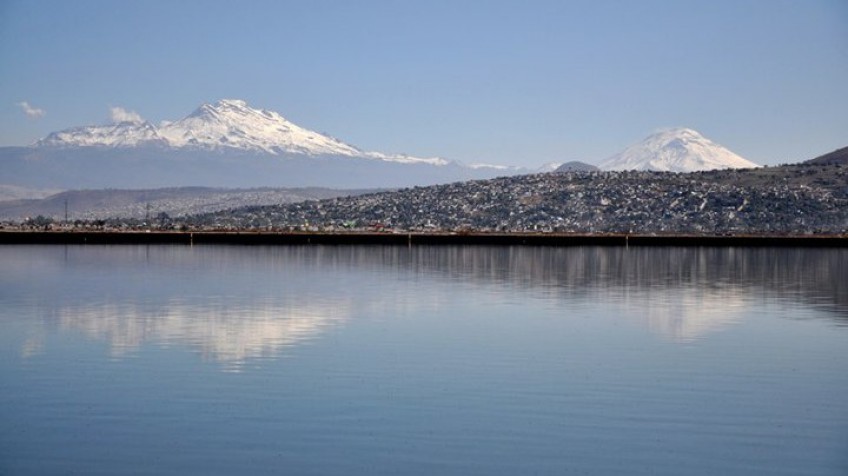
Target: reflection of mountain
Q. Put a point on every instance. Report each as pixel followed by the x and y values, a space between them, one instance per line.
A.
pixel 229 335
pixel 231 305
pixel 237 304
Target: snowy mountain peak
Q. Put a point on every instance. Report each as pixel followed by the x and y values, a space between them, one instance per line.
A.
pixel 232 124
pixel 228 124
pixel 232 103
pixel 228 107
pixel 676 150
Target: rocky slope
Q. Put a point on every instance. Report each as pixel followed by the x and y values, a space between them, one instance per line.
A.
pixel 790 199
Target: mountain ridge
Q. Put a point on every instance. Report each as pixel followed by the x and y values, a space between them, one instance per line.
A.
pixel 231 144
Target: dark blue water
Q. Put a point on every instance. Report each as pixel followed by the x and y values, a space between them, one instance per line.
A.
pixel 423 360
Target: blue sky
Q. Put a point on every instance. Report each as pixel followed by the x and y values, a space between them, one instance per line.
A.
pixel 505 82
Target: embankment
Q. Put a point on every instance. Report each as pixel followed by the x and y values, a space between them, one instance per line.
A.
pixel 407 239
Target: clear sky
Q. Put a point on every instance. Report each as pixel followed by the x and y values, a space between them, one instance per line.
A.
pixel 504 82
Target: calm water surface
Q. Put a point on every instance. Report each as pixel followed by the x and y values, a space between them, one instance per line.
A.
pixel 424 360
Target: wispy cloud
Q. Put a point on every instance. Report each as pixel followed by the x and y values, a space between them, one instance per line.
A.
pixel 31 111
pixel 120 114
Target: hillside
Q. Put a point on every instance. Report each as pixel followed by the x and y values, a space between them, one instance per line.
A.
pixel 839 156
pixel 789 199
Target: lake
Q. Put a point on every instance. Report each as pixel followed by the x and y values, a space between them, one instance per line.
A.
pixel 357 360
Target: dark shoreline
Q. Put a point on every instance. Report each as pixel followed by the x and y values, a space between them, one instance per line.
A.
pixel 408 239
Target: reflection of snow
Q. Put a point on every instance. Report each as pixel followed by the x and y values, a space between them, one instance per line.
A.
pixel 685 315
pixel 32 346
pixel 228 334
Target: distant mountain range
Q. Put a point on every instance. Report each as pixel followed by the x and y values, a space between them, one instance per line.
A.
pixel 230 144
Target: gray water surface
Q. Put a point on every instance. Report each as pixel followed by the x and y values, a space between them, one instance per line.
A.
pixel 424 360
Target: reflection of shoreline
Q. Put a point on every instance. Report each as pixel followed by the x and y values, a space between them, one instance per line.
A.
pixel 684 293
pixel 252 303
pixel 231 336
pixel 814 276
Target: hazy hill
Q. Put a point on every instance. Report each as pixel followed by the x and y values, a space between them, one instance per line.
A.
pixel 576 166
pixel 14 192
pixel 101 204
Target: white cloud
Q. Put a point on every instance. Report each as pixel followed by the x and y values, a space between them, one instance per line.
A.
pixel 30 111
pixel 120 114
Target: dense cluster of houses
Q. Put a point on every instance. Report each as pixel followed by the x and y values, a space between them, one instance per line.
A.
pixel 788 199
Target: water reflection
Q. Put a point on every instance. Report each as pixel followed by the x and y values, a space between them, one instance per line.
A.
pixel 238 304
pixel 232 306
pixel 231 336
pixel 682 289
pixel 693 279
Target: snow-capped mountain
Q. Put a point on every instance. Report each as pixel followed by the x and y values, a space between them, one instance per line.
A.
pixel 225 144
pixel 228 124
pixel 233 124
pixel 676 150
